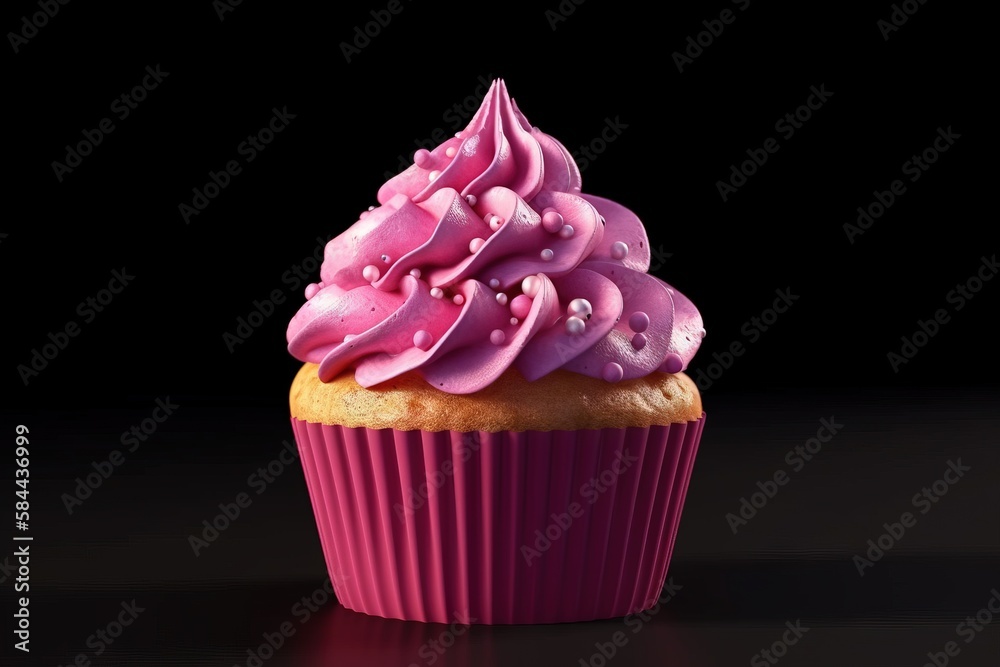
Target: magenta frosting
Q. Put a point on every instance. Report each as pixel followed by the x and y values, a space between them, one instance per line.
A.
pixel 430 280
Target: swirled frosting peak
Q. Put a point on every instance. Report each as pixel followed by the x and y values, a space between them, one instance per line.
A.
pixel 485 254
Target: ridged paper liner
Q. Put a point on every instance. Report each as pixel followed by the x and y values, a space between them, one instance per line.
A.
pixel 440 527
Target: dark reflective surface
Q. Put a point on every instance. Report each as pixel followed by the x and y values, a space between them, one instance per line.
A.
pixel 791 563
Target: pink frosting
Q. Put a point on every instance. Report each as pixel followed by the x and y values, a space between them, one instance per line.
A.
pixel 477 259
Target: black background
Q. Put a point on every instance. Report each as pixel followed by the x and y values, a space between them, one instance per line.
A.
pixel 163 335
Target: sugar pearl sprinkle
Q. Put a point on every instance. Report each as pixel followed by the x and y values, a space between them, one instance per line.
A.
pixel 495 222
pixel 370 273
pixel 638 322
pixel 638 341
pixel 612 372
pixel 673 363
pixel 471 199
pixel 415 273
pixel 580 308
pixel 521 305
pixel 552 220
pixel 386 258
pixel 547 255
pixel 437 292
pixel 619 250
pixel 475 244
pixel 497 337
pixel 513 320
pixel 502 298
pixel 458 299
pixel 529 285
pixel 422 157
pixel 567 232
pixel 423 340
pixel 311 290
pixel 433 175
pixel 575 326
pixel 494 283
pixel 450 151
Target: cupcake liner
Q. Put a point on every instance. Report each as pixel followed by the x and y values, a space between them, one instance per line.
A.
pixel 498 528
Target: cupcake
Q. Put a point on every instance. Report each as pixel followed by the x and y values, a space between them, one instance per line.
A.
pixel 492 414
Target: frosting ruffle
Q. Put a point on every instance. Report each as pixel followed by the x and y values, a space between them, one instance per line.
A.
pixel 484 254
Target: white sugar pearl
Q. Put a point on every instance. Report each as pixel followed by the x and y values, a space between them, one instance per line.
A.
pixel 580 308
pixel 575 326
pixel 531 285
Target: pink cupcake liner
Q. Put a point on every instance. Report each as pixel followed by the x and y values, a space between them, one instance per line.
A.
pixel 441 527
